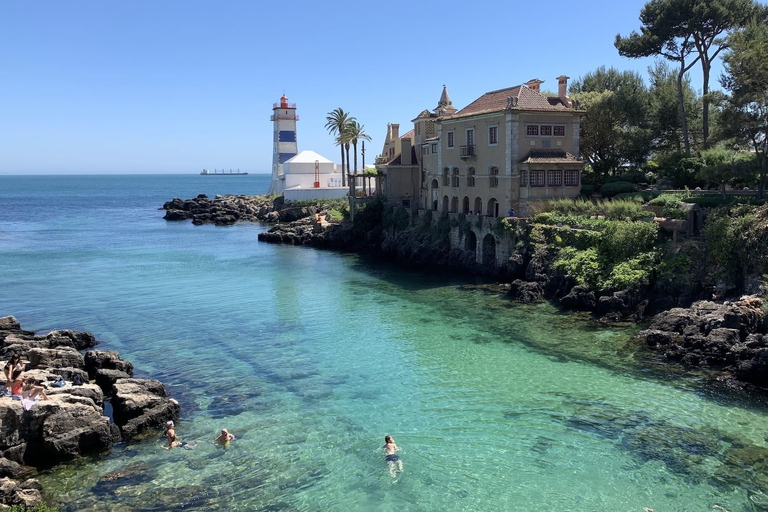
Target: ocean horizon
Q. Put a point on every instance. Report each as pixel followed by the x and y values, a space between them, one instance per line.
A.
pixel 310 357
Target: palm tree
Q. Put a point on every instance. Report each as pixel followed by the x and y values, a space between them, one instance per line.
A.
pixel 336 120
pixel 356 132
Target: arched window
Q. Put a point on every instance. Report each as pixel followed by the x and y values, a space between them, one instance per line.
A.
pixel 478 206
pixel 455 204
pixel 446 178
pixel 455 181
pixel 471 177
pixel 465 205
pixel 494 172
pixel 445 204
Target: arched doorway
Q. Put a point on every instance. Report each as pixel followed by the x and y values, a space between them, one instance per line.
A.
pixel 478 206
pixel 493 208
pixel 489 250
pixel 455 204
pixel 465 205
pixel 435 192
pixel 470 242
pixel 445 204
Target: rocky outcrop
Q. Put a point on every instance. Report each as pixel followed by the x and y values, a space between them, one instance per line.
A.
pixel 72 422
pixel 141 405
pixel 728 336
pixel 229 209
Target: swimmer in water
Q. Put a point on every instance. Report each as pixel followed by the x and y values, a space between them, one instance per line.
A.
pixel 170 436
pixel 389 455
pixel 224 438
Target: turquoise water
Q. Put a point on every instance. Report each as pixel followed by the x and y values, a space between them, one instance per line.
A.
pixel 310 357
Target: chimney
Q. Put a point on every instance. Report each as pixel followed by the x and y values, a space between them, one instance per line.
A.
pixel 405 155
pixel 562 89
pixel 395 131
pixel 534 84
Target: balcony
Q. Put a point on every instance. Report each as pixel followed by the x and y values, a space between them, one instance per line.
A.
pixel 467 151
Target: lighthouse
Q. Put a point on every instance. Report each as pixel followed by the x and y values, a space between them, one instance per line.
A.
pixel 285 146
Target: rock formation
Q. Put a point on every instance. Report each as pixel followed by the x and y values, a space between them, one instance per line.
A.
pixel 72 423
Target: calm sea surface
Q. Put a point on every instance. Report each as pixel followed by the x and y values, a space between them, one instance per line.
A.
pixel 311 357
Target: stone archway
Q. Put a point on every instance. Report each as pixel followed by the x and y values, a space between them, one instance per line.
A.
pixel 489 250
pixel 455 204
pixel 478 206
pixel 445 205
pixel 470 242
pixel 493 208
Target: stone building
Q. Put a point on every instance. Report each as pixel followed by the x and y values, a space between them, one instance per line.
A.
pixel 508 149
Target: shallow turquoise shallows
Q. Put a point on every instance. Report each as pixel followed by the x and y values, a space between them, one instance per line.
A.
pixel 310 357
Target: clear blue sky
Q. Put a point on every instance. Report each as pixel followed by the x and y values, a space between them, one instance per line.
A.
pixel 166 86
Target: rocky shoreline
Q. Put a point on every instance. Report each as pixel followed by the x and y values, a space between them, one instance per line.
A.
pixel 72 423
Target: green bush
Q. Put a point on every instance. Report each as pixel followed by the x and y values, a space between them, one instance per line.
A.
pixel 587 190
pixel 626 240
pixel 40 507
pixel 634 272
pixel 618 187
pixel 581 265
pixel 620 209
pixel 395 217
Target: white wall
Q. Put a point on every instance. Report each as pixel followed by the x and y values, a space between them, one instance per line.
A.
pixel 307 194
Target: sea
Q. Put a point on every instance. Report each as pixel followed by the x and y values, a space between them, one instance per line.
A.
pixel 310 357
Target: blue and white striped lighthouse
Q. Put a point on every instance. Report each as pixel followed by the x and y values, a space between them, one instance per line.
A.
pixel 285 146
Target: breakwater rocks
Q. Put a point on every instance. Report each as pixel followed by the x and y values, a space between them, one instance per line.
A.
pixel 729 336
pixel 72 422
pixel 229 209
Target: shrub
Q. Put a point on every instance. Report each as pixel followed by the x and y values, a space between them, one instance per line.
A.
pixel 634 272
pixel 581 265
pixel 618 187
pixel 587 190
pixel 626 240
pixel 620 209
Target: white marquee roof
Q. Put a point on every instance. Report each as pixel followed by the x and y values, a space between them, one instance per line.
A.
pixel 308 157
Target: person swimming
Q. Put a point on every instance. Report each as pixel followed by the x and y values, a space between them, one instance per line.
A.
pixel 224 438
pixel 170 436
pixel 393 461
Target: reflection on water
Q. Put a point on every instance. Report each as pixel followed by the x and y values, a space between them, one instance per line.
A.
pixel 311 357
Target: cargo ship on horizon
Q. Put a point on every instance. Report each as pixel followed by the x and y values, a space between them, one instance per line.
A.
pixel 216 172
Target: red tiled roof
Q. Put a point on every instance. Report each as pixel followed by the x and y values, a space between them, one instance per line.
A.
pixel 496 101
pixel 549 156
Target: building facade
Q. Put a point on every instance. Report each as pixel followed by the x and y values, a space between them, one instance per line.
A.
pixel 508 149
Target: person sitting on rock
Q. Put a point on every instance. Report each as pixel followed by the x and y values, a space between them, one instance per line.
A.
pixel 11 367
pixel 16 383
pixel 224 438
pixel 31 391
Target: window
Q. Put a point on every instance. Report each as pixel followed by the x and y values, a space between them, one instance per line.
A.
pixel 418 128
pixel 546 130
pixel 424 150
pixel 434 148
pixel 446 178
pixel 471 177
pixel 455 177
pixel 493 135
pixel 558 131
pixel 450 139
pixel 537 178
pixel 523 178
pixel 470 137
pixel 532 130
pixel 571 178
pixel 494 176
pixel 554 178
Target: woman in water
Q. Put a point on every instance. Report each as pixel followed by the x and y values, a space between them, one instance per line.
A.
pixel 389 455
pixel 170 436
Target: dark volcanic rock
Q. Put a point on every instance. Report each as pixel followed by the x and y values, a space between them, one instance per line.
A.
pixel 526 291
pixel 580 298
